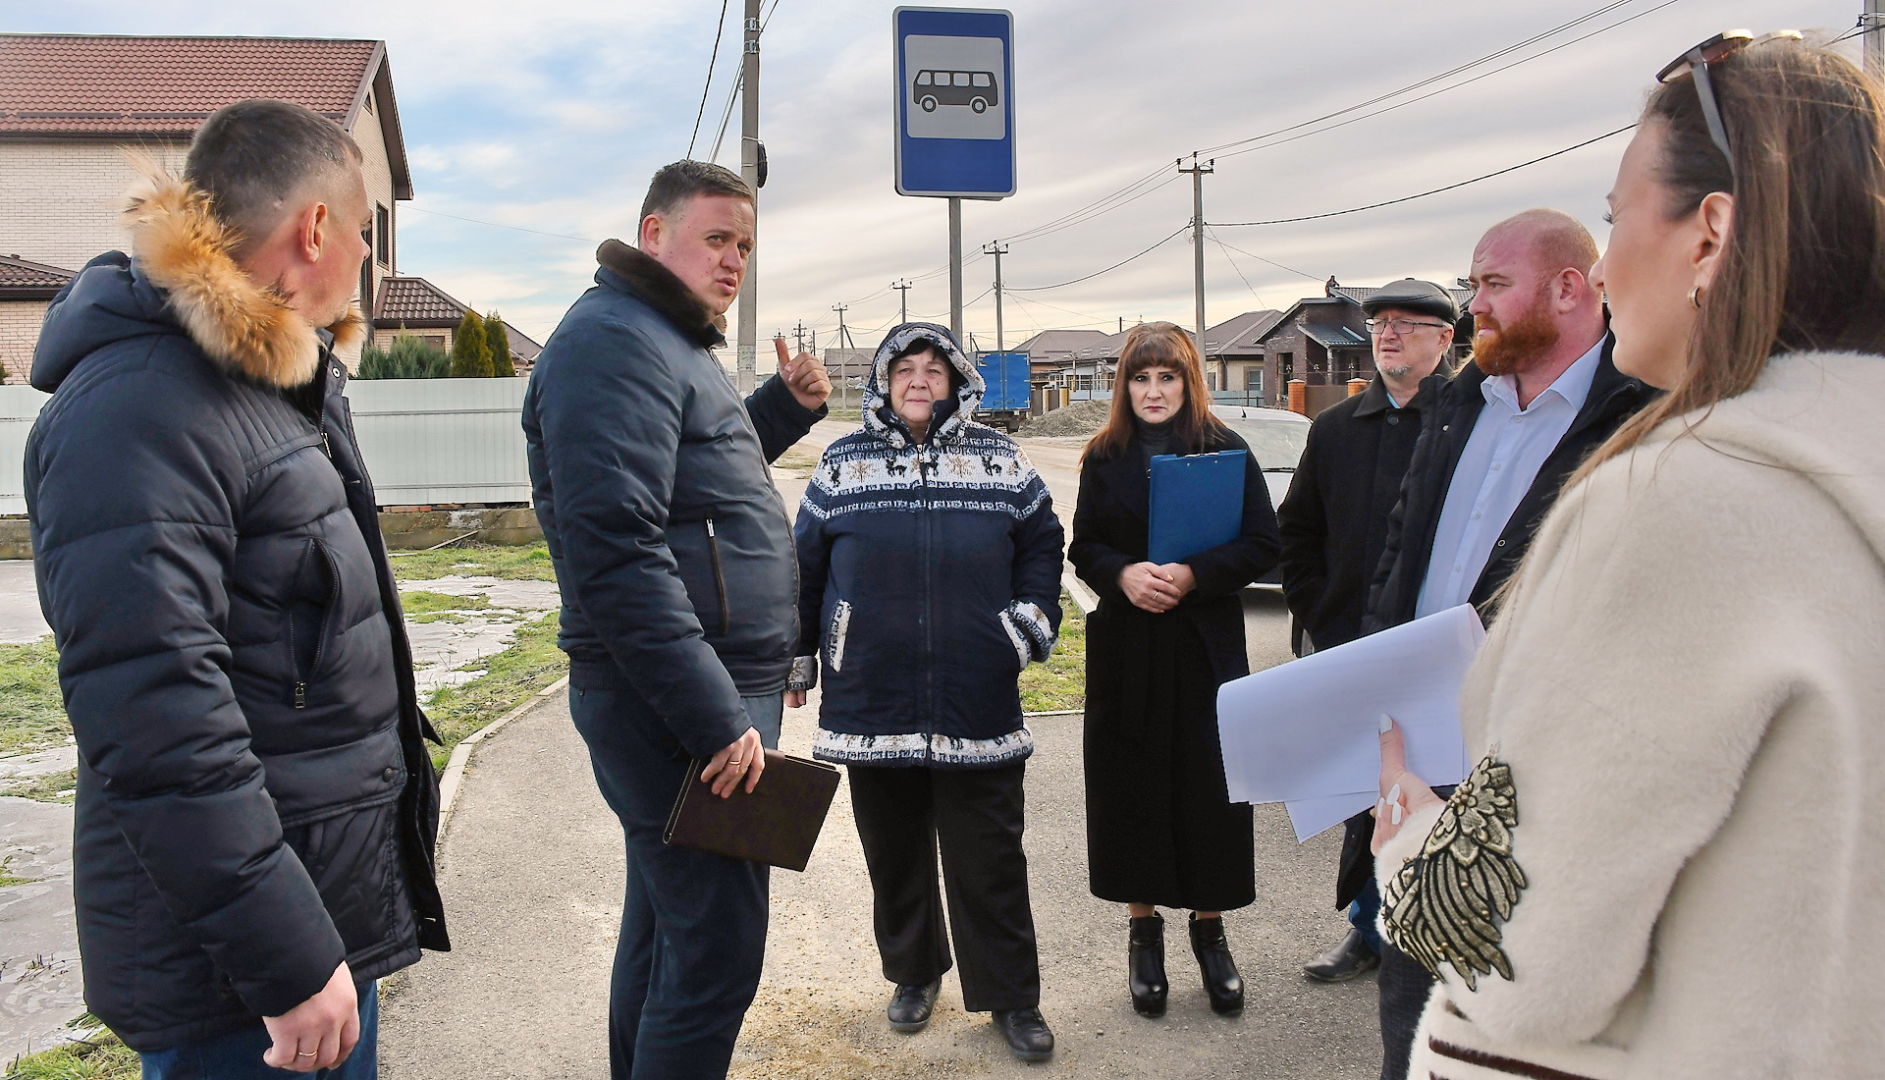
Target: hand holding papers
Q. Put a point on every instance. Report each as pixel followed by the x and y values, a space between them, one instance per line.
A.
pixel 1307 733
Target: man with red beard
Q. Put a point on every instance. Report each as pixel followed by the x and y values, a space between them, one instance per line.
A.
pixel 1539 394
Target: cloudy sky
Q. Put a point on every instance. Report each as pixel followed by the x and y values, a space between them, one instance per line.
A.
pixel 541 122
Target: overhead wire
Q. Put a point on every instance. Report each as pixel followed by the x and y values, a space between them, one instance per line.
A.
pixel 1423 194
pixel 1272 262
pixel 1161 242
pixel 712 60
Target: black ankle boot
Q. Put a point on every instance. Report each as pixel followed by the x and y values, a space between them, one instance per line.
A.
pixel 1145 964
pixel 1221 981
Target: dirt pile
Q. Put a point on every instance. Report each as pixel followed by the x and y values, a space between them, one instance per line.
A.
pixel 1082 419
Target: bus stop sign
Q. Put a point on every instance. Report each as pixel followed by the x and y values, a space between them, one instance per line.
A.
pixel 955 102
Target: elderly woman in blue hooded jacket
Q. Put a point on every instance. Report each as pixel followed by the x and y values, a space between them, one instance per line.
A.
pixel 930 562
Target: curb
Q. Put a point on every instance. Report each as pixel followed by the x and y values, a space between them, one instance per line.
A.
pixel 1083 598
pixel 453 777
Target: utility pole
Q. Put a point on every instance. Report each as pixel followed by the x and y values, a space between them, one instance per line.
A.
pixel 844 334
pixel 994 248
pixel 798 334
pixel 844 359
pixel 902 285
pixel 1198 173
pixel 1869 21
pixel 747 376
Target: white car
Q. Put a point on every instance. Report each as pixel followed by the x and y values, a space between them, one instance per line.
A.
pixel 1277 438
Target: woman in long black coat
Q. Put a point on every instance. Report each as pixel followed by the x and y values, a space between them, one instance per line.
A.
pixel 1161 831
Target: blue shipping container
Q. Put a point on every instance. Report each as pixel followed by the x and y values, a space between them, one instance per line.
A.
pixel 1006 374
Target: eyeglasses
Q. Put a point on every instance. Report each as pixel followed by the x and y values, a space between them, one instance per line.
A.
pixel 1403 327
pixel 1697 61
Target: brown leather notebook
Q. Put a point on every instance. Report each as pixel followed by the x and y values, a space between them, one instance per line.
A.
pixel 776 823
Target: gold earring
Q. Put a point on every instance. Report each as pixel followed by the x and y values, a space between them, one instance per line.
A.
pixel 1695 298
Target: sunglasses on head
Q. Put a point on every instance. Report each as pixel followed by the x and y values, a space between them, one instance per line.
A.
pixel 1698 60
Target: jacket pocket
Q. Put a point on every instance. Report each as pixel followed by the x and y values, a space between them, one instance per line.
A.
pixel 309 631
pixel 353 858
pixel 719 579
pixel 1017 641
pixel 834 636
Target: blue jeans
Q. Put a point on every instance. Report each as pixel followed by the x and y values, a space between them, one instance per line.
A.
pixel 237 1055
pixel 693 934
pixel 1361 915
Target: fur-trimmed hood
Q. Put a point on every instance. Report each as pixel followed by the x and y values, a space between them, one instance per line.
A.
pixel 664 292
pixel 182 272
pixel 882 421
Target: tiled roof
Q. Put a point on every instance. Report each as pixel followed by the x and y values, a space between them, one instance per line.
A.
pixel 1335 337
pixel 414 301
pixel 1044 345
pixel 1239 332
pixel 17 274
pixel 76 84
pixel 1360 293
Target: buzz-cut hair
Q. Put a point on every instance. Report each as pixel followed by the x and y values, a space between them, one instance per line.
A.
pixel 253 156
pixel 674 184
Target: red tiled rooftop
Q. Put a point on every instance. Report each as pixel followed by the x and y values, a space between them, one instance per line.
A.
pixel 72 84
pixel 18 273
pixel 414 301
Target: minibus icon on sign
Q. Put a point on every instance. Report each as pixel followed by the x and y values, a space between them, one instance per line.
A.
pixel 975 89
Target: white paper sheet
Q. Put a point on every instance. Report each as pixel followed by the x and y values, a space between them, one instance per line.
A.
pixel 1311 816
pixel 1308 732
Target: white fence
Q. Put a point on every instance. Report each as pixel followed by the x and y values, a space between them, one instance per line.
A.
pixel 426 441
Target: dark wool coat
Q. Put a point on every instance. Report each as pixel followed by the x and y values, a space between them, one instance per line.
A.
pixel 255 803
pixel 671 546
pixel 929 577
pixel 1334 520
pixel 1160 828
pixel 1614 397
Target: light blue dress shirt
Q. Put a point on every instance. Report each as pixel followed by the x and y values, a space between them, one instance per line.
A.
pixel 1502 458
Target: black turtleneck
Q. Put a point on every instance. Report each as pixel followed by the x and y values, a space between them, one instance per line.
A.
pixel 1154 439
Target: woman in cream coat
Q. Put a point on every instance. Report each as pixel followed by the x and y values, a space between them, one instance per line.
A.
pixel 1666 865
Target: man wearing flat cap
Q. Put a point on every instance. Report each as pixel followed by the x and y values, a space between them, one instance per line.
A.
pixel 1335 526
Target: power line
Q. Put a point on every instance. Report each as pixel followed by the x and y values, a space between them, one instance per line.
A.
pixel 499 225
pixel 1212 233
pixel 713 59
pixel 1088 277
pixel 1428 81
pixel 1452 86
pixel 1423 194
pixel 1300 273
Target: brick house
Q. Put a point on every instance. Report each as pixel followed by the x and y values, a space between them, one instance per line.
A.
pixel 415 306
pixel 1233 360
pixel 70 104
pixel 1323 340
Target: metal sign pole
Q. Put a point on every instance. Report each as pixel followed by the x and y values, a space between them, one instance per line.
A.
pixel 955 268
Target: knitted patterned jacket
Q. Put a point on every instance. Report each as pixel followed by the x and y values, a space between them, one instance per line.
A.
pixel 929 577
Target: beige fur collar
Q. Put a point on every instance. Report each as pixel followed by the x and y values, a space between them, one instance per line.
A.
pixel 245 326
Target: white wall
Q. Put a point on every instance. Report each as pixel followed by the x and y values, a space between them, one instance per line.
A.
pixel 426 441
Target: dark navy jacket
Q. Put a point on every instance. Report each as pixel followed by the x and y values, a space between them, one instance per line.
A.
pixel 671 546
pixel 930 577
pixel 254 802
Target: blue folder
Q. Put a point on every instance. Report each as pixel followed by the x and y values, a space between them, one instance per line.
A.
pixel 1197 502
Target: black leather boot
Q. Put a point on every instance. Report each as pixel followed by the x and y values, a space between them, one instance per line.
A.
pixel 1145 964
pixel 1222 983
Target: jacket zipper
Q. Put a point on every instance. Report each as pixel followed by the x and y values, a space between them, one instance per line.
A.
pixel 928 610
pixel 327 620
pixel 719 579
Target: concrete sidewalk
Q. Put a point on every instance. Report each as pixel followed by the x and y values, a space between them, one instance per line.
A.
pixel 532 874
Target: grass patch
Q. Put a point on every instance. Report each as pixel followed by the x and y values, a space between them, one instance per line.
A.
pixel 32 714
pixel 510 678
pixel 849 413
pixel 797 463
pixel 7 876
pixel 96 1056
pixel 429 607
pixel 54 788
pixel 526 563
pixel 1060 683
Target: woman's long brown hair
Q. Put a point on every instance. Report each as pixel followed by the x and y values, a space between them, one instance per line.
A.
pixel 1157 344
pixel 1804 265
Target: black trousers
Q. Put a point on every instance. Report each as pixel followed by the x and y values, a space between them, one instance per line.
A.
pixel 976 817
pixel 1405 986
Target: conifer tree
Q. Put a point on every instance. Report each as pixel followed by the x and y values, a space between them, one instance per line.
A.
pixel 471 355
pixel 499 343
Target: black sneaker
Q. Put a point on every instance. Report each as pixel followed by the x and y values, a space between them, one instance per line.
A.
pixel 911 1005
pixel 1343 961
pixel 1026 1033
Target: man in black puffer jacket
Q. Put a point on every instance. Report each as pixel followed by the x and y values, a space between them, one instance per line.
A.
pixel 680 594
pixel 256 810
